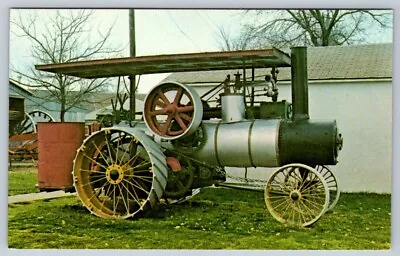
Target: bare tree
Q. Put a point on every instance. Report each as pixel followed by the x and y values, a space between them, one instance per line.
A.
pixel 66 36
pixel 308 27
pixel 241 42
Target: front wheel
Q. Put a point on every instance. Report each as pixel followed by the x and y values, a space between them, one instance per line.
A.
pixel 297 194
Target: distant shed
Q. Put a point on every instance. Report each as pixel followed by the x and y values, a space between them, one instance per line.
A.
pixel 34 102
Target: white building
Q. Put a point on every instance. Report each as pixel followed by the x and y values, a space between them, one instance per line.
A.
pixel 352 84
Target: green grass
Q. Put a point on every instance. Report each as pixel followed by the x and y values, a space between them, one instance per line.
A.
pixel 217 218
pixel 22 180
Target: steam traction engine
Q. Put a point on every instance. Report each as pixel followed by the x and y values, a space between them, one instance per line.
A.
pixel 186 141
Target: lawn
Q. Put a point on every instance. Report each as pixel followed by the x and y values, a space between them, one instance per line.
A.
pixel 216 218
pixel 22 180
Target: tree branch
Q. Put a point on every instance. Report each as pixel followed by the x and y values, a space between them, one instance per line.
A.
pixel 309 27
pixel 64 37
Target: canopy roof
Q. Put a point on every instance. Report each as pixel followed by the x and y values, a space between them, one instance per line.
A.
pixel 171 63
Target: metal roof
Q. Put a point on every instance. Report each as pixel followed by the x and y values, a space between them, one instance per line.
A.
pixel 369 61
pixel 171 63
pixel 19 87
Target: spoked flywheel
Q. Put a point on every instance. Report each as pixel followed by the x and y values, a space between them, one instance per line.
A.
pixel 297 194
pixel 173 110
pixel 119 172
pixel 331 181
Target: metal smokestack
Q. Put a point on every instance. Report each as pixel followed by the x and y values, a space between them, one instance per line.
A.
pixel 299 83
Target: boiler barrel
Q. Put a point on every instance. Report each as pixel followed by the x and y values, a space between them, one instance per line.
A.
pixel 269 143
pixel 240 144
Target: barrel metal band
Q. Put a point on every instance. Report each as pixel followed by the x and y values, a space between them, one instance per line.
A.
pixel 216 143
pixel 249 143
pixel 277 143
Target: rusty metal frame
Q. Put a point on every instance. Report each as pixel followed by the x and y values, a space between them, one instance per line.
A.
pixel 171 63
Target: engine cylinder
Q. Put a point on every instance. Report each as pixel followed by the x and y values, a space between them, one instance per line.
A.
pixel 233 107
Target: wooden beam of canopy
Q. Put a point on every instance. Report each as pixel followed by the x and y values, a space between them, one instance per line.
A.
pixel 171 63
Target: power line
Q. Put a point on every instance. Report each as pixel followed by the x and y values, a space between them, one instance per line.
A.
pixel 207 21
pixel 212 21
pixel 183 32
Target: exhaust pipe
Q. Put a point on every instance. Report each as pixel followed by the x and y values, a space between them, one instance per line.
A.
pixel 299 83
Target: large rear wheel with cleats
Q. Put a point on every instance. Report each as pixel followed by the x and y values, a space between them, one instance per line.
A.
pixel 119 173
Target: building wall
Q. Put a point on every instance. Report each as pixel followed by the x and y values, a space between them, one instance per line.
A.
pixel 363 111
pixel 364 115
pixel 91 116
pixel 52 108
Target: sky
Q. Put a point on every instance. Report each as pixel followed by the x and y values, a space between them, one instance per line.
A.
pixel 158 31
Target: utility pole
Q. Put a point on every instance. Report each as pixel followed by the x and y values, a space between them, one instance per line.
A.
pixel 132 53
